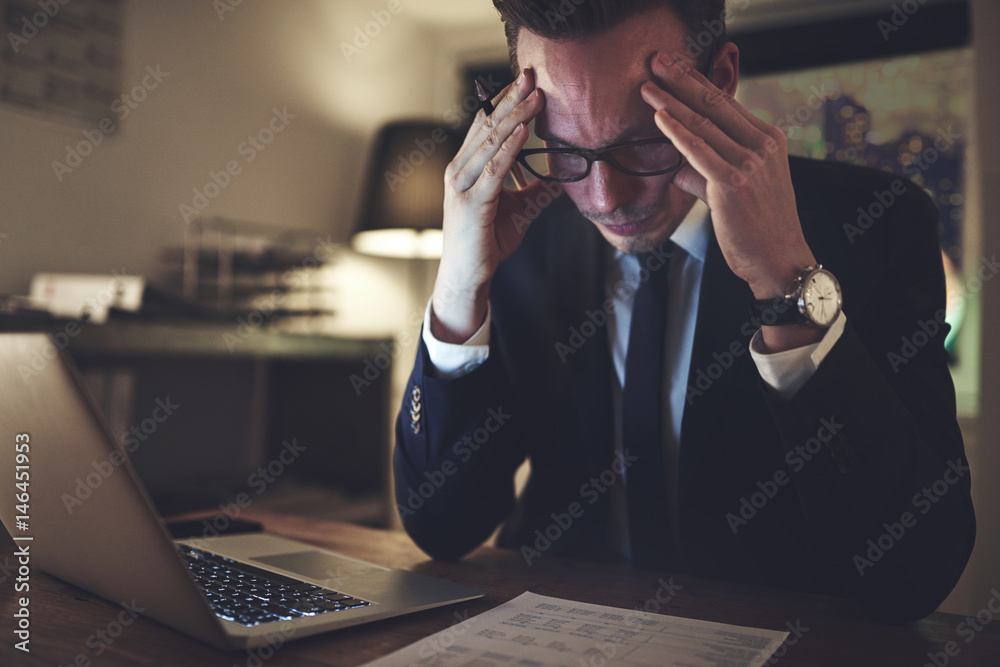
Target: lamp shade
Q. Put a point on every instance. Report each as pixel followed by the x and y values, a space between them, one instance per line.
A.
pixel 404 194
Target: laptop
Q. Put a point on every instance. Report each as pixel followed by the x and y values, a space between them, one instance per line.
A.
pixel 233 591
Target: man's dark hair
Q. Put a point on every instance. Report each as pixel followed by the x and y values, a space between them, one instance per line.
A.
pixel 579 19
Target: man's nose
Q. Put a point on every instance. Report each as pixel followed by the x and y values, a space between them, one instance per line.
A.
pixel 609 188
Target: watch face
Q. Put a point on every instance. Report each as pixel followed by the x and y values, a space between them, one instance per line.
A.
pixel 821 299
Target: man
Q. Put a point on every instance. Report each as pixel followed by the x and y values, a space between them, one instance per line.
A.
pixel 613 353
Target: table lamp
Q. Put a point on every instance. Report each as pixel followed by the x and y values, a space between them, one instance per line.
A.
pixel 402 207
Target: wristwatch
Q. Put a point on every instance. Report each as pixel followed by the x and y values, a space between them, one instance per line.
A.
pixel 814 300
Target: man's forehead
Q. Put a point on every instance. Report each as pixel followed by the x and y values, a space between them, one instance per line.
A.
pixel 592 86
pixel 582 70
pixel 593 120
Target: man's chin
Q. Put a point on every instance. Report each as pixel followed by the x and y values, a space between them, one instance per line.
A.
pixel 636 244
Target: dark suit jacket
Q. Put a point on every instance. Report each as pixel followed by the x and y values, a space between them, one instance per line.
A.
pixel 881 510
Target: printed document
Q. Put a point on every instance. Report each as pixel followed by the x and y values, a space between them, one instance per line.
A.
pixel 538 630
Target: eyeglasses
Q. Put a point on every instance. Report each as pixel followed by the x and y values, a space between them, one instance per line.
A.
pixel 645 157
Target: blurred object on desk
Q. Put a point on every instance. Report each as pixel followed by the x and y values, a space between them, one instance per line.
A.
pixel 86 297
pixel 254 270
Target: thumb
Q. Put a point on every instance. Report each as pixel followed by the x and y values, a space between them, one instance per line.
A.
pixel 690 181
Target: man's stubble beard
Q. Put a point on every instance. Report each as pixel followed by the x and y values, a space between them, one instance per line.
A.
pixel 642 243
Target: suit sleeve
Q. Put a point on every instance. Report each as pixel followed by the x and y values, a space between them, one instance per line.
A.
pixel 456 440
pixel 888 495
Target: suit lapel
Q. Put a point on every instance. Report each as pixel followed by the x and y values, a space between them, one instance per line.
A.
pixel 578 261
pixel 722 312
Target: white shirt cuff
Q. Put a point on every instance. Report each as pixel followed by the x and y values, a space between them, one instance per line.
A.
pixel 787 371
pixel 452 361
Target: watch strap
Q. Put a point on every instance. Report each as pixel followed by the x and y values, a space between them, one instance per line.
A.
pixel 778 311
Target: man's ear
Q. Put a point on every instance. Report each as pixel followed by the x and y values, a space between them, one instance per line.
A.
pixel 726 68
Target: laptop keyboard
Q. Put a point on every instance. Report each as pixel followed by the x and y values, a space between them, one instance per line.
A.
pixel 250 595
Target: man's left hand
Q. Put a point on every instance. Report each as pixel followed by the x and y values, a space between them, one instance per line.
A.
pixel 738 165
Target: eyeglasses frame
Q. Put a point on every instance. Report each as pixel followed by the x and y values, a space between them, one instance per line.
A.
pixel 592 156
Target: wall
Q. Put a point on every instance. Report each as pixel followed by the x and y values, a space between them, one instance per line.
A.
pixel 120 207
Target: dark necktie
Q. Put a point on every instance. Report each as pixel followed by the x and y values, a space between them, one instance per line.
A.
pixel 642 405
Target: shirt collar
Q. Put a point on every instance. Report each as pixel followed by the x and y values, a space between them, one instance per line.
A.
pixel 693 232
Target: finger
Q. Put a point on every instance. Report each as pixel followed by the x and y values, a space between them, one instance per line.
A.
pixel 472 139
pixel 698 124
pixel 490 182
pixel 495 139
pixel 690 87
pixel 479 119
pixel 701 156
pixel 504 104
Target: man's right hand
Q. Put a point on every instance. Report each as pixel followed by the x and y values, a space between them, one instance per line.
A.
pixel 483 222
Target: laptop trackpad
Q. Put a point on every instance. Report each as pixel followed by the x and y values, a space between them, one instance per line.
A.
pixel 318 565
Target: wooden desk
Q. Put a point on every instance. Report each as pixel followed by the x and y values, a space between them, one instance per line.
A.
pixel 63 616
